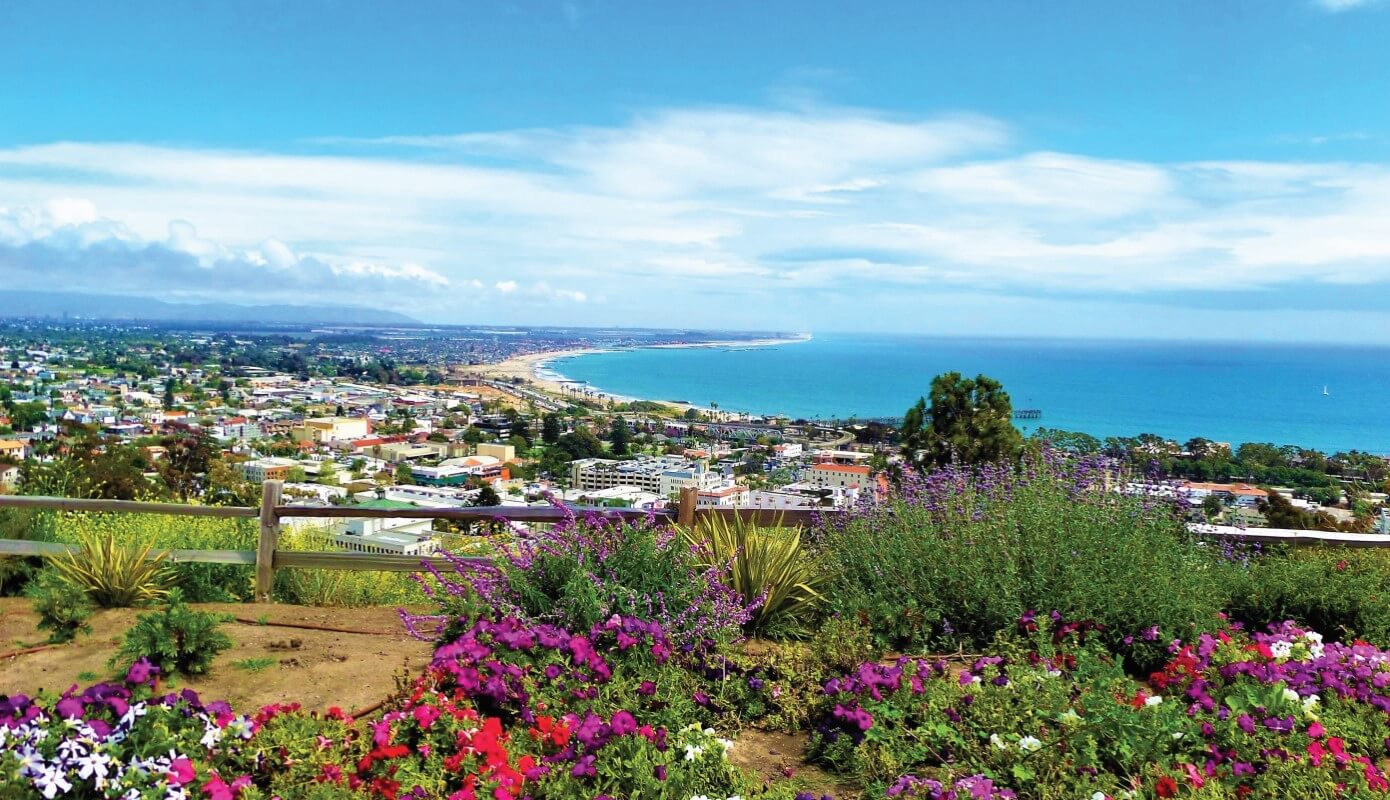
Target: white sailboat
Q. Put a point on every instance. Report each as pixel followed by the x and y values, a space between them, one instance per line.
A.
pixel 1324 390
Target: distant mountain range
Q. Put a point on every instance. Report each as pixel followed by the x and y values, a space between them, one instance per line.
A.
pixel 124 307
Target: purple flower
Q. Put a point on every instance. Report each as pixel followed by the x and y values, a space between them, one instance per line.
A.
pixel 623 723
pixel 584 767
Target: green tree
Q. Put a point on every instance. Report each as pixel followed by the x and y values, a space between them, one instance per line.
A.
pixel 619 436
pixel 969 420
pixel 185 465
pixel 487 496
pixel 403 476
pixel 1212 506
pixel 169 392
pixel 1069 441
pixel 27 416
pixel 551 428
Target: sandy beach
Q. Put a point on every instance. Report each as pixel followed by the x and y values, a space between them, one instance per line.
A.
pixel 529 366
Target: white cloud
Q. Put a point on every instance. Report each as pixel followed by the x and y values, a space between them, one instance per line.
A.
pixel 1337 6
pixel 781 206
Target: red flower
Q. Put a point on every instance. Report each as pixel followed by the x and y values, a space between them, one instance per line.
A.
pixel 1166 787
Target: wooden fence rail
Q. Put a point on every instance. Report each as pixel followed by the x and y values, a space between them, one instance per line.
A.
pixel 267 557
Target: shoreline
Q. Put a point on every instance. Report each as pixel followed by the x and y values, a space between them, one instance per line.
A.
pixel 534 367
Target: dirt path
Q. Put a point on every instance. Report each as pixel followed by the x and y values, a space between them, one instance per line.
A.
pixel 266 664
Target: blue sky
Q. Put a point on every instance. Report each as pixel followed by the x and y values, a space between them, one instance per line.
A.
pixel 1179 169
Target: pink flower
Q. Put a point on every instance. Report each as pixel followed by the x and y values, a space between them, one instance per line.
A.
pixel 1316 730
pixel 181 771
pixel 426 715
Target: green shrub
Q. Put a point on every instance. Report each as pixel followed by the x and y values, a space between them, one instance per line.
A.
pixel 63 608
pixel 28 524
pixel 1341 592
pixel 175 638
pixel 766 562
pixel 113 575
pixel 339 587
pixel 200 583
pixel 960 556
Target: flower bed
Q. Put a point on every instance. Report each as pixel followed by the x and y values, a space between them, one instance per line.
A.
pixel 1275 714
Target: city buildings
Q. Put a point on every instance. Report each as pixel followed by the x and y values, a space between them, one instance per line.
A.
pixel 661 475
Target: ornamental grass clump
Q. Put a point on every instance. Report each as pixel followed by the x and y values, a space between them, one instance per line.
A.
pixel 954 557
pixel 767 565
pixel 584 570
pixel 115 575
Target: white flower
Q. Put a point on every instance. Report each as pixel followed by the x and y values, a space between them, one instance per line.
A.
pixel 1177 735
pixel 998 743
pixel 699 797
pixel 30 762
pixel 93 764
pixel 693 751
pixel 1054 673
pixel 726 744
pixel 1153 700
pixel 211 737
pixel 1281 649
pixel 1069 716
pixel 1098 796
pixel 1030 744
pixel 1291 695
pixel 51 781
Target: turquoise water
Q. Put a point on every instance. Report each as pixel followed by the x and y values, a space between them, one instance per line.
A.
pixel 1223 391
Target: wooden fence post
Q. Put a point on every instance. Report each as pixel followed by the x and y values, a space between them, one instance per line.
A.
pixel 269 540
pixel 685 513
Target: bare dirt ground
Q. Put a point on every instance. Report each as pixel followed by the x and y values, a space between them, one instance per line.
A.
pixel 777 757
pixel 314 668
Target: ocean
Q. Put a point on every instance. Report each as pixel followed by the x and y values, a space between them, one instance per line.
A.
pixel 1228 392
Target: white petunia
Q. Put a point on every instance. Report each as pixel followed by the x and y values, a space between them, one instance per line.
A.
pixel 1153 700
pixel 1291 695
pixel 1030 744
pixel 693 751
pixel 51 781
pixel 1281 649
pixel 998 742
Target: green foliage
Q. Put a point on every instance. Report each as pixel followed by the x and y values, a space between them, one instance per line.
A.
pixel 113 575
pixel 200 583
pixel 338 587
pixel 176 638
pixel 254 664
pixel 23 524
pixel 968 421
pixel 619 436
pixel 1345 593
pixel 955 564
pixel 767 562
pixel 63 608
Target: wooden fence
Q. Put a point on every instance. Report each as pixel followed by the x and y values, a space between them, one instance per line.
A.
pixel 267 557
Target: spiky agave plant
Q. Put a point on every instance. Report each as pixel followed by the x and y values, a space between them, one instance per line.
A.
pixel 115 575
pixel 763 561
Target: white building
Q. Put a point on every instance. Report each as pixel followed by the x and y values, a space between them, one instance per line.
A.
pixel 267 469
pixel 843 476
pixel 660 475
pixel 731 495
